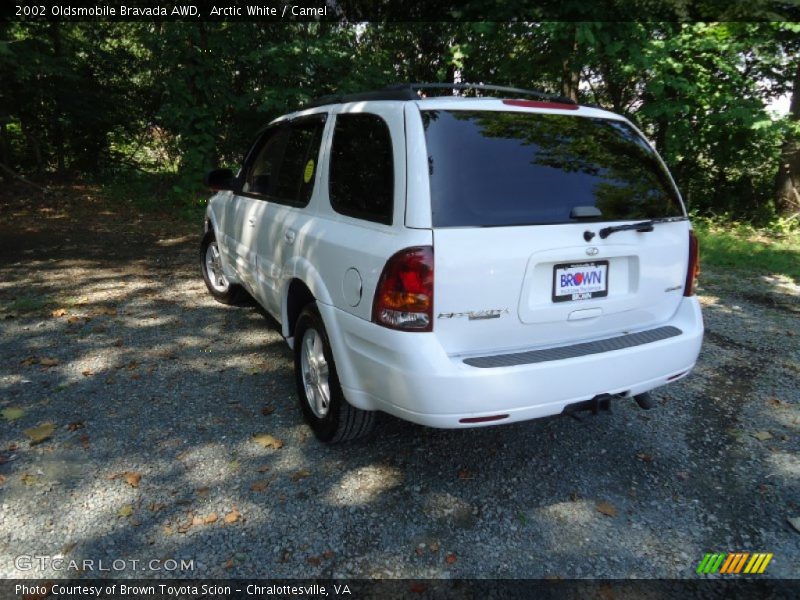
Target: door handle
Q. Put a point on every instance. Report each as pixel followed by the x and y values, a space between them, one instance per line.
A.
pixel 289 235
pixel 252 221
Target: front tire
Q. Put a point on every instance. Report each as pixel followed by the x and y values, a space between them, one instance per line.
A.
pixel 211 266
pixel 322 402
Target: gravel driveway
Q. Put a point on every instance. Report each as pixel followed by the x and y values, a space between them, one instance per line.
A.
pixel 142 420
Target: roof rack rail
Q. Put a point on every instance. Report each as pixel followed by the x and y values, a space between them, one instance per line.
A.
pixel 415 87
pixel 388 93
pixel 410 91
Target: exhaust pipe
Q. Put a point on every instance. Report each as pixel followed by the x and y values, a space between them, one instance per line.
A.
pixel 645 401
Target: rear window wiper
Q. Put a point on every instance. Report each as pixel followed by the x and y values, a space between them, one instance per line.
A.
pixel 642 226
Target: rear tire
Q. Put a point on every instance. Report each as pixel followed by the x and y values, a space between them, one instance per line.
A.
pixel 211 266
pixel 322 402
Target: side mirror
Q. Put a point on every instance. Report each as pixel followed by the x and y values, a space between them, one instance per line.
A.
pixel 220 179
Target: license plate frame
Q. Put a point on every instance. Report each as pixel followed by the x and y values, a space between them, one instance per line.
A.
pixel 584 292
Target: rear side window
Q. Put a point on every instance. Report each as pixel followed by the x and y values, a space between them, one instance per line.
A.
pixel 503 168
pixel 283 170
pixel 362 168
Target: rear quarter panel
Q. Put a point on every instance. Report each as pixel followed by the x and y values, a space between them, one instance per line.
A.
pixel 335 244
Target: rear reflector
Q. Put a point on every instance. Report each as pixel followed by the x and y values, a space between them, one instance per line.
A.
pixel 679 375
pixel 693 270
pixel 483 419
pixel 535 104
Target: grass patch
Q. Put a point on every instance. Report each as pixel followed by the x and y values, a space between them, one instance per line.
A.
pixel 157 193
pixel 770 250
pixel 39 304
pixel 29 304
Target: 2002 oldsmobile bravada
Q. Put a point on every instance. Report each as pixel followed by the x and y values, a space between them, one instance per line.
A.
pixel 459 261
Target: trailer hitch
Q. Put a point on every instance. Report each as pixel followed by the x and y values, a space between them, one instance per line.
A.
pixel 593 405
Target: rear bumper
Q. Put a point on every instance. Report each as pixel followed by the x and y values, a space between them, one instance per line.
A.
pixel 410 376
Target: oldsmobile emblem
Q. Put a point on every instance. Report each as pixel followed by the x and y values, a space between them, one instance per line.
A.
pixel 592 251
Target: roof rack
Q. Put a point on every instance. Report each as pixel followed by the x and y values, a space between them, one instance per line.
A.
pixel 385 94
pixel 411 91
pixel 416 87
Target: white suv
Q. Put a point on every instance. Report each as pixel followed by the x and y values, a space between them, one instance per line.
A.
pixel 459 261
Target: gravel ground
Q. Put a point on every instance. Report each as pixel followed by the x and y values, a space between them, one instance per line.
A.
pixel 155 393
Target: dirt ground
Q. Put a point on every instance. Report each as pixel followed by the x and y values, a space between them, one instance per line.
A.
pixel 141 420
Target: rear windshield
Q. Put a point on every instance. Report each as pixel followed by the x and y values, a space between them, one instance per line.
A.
pixel 511 168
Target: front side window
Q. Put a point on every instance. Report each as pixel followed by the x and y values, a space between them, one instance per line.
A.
pixel 285 166
pixel 361 182
pixel 262 173
pixel 492 168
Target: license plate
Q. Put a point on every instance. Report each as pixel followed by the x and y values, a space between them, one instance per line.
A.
pixel 580 281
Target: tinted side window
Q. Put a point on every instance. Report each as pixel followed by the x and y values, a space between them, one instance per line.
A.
pixel 362 168
pixel 284 168
pixel 295 180
pixel 263 169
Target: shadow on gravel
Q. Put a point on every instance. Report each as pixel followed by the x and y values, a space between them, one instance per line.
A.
pixel 156 394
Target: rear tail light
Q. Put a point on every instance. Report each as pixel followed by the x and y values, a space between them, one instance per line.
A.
pixel 404 296
pixel 693 272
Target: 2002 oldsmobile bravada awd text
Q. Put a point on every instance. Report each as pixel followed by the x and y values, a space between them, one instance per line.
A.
pixel 459 261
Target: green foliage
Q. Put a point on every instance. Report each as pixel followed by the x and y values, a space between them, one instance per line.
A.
pixel 70 89
pixel 219 83
pixel 706 111
pixel 156 192
pixel 741 246
pixel 157 104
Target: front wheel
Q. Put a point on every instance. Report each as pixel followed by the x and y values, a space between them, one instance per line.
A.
pixel 211 265
pixel 324 406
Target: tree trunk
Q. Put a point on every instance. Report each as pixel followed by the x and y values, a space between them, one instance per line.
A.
pixel 34 146
pixel 613 88
pixel 4 152
pixel 661 135
pixel 570 78
pixel 787 181
pixel 58 129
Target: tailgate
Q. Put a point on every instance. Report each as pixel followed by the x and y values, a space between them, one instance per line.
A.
pixel 496 288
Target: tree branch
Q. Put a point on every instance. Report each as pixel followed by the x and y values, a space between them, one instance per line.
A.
pixel 16 175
